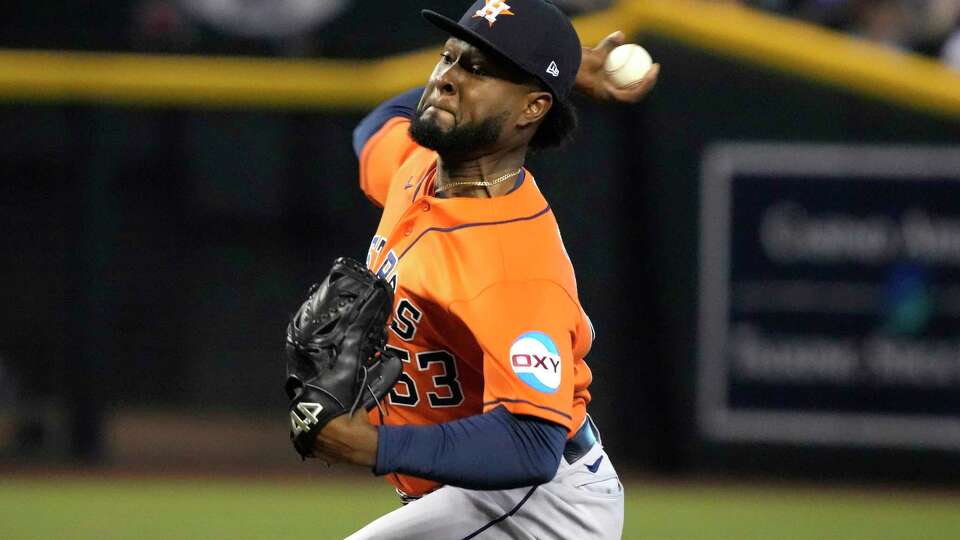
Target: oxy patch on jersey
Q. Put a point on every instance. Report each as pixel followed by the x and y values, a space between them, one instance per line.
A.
pixel 536 361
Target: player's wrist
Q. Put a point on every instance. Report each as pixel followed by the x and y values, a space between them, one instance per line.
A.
pixel 350 439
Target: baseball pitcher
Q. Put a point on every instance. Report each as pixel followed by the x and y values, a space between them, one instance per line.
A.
pixel 462 337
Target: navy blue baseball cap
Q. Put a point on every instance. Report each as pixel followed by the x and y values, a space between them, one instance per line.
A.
pixel 533 35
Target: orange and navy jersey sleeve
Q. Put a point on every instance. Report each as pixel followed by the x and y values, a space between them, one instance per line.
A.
pixel 526 330
pixel 383 154
pixel 382 143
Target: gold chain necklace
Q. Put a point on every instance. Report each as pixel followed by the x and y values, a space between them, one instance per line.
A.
pixel 478 183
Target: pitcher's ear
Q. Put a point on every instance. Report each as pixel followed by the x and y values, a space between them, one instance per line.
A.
pixel 537 106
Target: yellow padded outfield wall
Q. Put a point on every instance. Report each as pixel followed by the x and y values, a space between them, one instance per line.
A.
pixel 727 30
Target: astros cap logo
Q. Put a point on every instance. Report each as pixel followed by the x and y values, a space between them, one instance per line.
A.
pixel 491 9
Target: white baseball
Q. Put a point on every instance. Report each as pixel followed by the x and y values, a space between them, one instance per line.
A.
pixel 627 65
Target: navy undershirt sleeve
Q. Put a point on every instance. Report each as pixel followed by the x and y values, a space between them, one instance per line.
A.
pixel 404 105
pixel 496 450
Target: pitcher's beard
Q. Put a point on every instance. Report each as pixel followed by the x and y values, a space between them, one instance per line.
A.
pixel 459 140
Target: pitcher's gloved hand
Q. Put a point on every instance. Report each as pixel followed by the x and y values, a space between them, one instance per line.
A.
pixel 335 355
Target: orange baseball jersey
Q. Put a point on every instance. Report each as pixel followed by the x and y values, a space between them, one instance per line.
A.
pixel 486 312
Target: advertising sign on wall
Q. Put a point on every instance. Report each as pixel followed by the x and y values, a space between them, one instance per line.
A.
pixel 829 305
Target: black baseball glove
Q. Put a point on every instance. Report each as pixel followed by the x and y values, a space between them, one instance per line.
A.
pixel 336 360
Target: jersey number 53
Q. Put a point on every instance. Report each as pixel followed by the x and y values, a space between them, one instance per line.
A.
pixel 446 390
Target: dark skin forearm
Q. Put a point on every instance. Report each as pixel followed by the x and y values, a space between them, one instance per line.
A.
pixel 349 440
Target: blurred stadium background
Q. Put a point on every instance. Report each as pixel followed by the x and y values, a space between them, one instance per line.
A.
pixel 769 247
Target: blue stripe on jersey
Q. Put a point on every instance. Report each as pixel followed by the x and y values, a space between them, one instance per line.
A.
pixel 467 225
pixel 404 105
pixel 458 453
